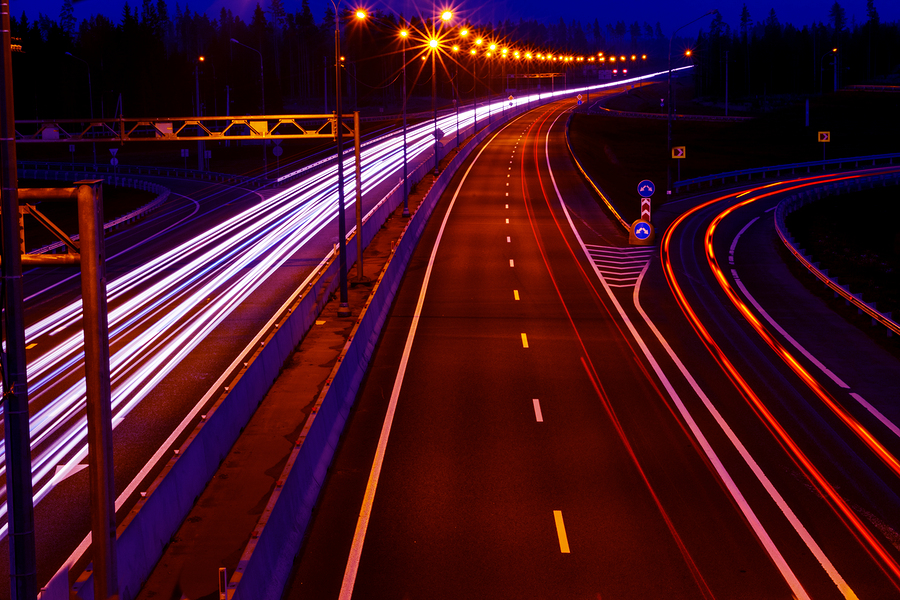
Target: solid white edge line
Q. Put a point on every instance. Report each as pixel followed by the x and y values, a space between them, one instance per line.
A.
pixel 737 237
pixel 876 413
pixel 785 334
pixel 538 415
pixel 754 466
pixel 741 502
pixel 771 321
pixel 365 513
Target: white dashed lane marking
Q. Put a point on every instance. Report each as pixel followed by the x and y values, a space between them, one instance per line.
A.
pixel 538 416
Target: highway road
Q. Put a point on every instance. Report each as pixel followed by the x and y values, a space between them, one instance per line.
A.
pixel 553 414
pixel 188 288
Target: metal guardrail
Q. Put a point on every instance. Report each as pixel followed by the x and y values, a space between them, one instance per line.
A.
pixel 162 194
pixel 777 170
pixel 675 117
pixel 791 204
pixel 874 88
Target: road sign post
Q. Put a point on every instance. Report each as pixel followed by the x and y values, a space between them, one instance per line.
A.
pixel 824 138
pixel 641 233
pixel 646 189
pixel 679 152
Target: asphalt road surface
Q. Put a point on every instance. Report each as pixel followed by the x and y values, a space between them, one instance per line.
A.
pixel 542 420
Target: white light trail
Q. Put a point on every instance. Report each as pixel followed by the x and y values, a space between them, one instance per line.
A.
pixel 162 310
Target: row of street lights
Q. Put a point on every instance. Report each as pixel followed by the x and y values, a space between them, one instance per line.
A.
pixel 432 43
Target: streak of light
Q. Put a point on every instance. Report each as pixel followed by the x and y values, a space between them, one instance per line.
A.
pixel 843 511
pixel 162 310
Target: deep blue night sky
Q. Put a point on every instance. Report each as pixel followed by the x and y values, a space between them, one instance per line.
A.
pixel 670 13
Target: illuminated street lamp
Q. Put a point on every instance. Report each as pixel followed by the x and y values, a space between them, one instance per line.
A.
pixel 404 35
pixel 832 52
pixel 478 42
pixel 456 89
pixel 344 306
pixel 201 158
pixel 493 48
pixel 434 45
pixel 464 33
pixel 669 102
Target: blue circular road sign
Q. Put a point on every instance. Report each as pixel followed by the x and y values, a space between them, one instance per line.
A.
pixel 641 229
pixel 646 188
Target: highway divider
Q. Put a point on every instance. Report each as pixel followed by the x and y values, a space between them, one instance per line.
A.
pixel 267 560
pixel 794 202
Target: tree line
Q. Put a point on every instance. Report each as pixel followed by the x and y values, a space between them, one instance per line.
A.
pixel 766 57
pixel 147 64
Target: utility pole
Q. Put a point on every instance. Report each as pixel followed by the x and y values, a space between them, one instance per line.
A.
pixel 201 159
pixel 726 83
pixel 17 438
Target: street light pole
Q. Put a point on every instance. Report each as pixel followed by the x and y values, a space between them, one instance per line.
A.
pixel 490 55
pixel 474 53
pixel 90 99
pixel 405 34
pixel 17 438
pixel 434 101
pixel 434 44
pixel 456 91
pixel 201 161
pixel 262 79
pixel 832 52
pixel 726 83
pixel 669 104
pixel 344 307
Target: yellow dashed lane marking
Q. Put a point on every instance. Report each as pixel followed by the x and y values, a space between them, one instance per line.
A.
pixel 561 532
pixel 524 341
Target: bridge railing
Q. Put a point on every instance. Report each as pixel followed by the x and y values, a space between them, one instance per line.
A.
pixel 778 170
